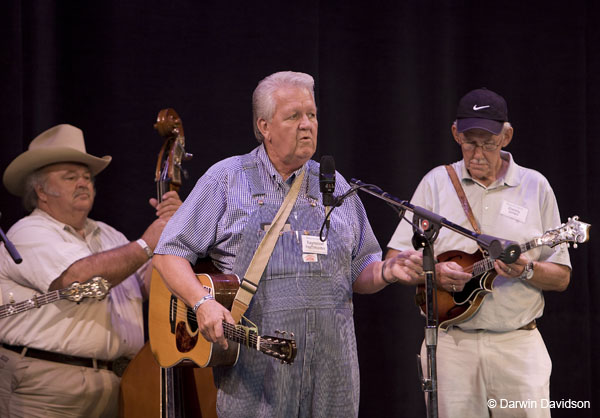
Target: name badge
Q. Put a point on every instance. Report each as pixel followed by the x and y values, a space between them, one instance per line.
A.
pixel 514 211
pixel 312 244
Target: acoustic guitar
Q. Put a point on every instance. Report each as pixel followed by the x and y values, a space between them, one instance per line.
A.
pixel 174 335
pixel 96 288
pixel 456 307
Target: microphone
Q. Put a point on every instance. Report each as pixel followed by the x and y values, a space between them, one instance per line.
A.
pixel 327 183
pixel 501 249
pixel 14 254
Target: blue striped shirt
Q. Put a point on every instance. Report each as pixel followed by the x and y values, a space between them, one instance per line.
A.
pixel 210 222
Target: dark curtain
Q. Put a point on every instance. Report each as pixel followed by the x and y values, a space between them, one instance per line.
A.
pixel 389 75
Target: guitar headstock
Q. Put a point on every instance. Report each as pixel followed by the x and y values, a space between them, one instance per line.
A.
pixel 96 287
pixel 168 167
pixel 280 348
pixel 574 231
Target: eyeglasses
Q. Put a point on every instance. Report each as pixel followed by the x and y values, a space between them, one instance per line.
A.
pixel 470 146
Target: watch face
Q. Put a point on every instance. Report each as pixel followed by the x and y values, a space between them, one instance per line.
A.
pixel 529 270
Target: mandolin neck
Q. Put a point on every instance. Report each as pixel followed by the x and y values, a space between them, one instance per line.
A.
pixel 487 264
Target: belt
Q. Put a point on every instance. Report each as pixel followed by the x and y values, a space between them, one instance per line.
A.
pixel 117 366
pixel 530 326
pixel 527 327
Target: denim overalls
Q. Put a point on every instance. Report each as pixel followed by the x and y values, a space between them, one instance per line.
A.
pixel 312 299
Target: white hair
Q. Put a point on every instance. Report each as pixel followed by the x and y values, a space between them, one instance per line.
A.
pixel 263 100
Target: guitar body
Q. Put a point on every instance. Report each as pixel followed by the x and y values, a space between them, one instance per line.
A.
pixel 456 307
pixel 174 335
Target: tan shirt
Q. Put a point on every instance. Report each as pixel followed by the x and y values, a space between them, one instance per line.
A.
pixel 103 329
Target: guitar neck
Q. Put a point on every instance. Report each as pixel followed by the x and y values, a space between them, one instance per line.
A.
pixel 243 336
pixel 35 302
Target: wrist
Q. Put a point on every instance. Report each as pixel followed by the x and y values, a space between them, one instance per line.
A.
pixel 527 273
pixel 383 273
pixel 145 247
pixel 201 301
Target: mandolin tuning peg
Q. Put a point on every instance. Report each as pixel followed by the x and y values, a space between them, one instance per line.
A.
pixel 187 156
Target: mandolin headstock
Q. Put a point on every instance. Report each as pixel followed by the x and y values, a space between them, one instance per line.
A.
pixel 573 231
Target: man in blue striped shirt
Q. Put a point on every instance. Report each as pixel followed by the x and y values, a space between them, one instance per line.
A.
pixel 306 289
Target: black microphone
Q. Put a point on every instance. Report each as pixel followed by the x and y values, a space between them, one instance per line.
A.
pixel 501 249
pixel 14 254
pixel 327 183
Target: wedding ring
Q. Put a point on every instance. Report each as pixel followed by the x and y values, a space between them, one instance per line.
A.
pixel 509 270
pixel 453 288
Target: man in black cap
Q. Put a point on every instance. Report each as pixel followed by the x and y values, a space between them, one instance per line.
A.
pixel 494 356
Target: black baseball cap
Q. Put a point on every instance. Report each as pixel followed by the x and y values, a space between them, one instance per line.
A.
pixel 483 109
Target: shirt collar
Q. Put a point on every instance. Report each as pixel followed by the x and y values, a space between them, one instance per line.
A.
pixel 264 159
pixel 511 178
pixel 90 226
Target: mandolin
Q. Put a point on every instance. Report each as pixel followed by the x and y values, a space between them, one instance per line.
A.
pixel 456 307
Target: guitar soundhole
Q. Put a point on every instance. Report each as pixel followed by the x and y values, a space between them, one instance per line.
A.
pixel 184 341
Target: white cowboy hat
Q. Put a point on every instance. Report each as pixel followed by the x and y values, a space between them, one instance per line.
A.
pixel 59 144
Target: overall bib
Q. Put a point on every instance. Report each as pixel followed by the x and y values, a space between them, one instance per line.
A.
pixel 312 299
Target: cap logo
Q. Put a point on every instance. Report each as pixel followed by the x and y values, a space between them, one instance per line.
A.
pixel 475 107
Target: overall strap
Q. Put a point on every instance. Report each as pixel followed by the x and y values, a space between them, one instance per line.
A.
pixel 250 167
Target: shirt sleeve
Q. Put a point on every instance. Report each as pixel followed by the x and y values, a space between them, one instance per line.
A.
pixel 45 256
pixel 193 229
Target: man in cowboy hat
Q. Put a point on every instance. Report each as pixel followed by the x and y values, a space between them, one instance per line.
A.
pixel 60 360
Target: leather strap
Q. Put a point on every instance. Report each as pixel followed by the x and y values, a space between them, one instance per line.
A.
pixel 249 284
pixel 462 197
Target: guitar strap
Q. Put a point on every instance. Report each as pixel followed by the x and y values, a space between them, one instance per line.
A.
pixel 261 257
pixel 462 197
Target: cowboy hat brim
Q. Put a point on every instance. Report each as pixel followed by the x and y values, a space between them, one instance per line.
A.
pixel 31 160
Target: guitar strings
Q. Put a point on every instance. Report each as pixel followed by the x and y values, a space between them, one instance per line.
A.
pixel 232 332
pixel 18 307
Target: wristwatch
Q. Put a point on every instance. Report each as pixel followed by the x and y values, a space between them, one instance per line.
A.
pixel 145 247
pixel 527 272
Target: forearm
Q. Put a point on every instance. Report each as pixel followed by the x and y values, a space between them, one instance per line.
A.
pixel 178 276
pixel 113 265
pixel 550 276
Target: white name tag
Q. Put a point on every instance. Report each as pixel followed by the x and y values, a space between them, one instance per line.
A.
pixel 514 211
pixel 312 244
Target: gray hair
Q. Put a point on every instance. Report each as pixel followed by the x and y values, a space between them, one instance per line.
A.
pixel 263 102
pixel 32 181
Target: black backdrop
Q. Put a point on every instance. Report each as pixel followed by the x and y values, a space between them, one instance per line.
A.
pixel 388 75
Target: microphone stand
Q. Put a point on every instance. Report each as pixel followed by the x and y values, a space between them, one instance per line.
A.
pixel 9 246
pixel 426 226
